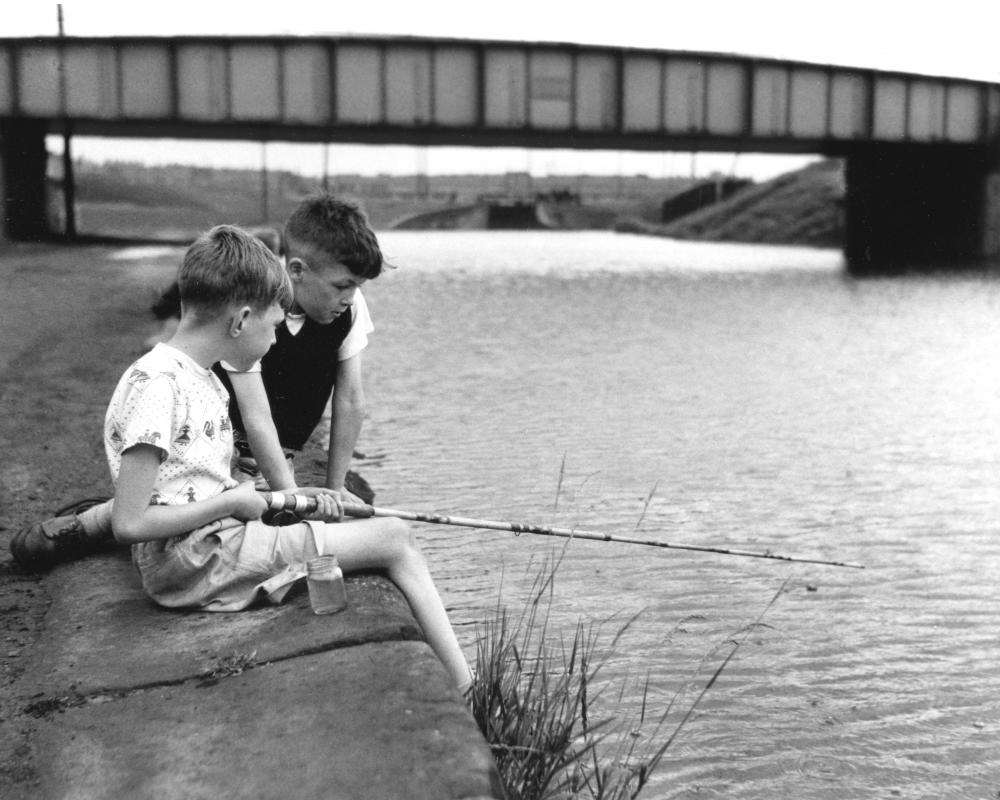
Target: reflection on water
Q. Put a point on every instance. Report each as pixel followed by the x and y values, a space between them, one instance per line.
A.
pixel 773 403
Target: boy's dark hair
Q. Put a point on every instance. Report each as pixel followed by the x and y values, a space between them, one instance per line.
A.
pixel 168 304
pixel 336 228
pixel 227 266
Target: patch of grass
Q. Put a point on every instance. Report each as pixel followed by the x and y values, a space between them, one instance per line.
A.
pixel 534 700
pixel 800 207
pixel 226 666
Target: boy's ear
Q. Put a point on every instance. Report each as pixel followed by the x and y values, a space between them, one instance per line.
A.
pixel 238 320
pixel 295 267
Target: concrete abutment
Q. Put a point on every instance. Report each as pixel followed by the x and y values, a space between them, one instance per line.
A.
pixel 912 207
pixel 23 164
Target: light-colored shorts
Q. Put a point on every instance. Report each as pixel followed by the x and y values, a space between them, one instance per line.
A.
pixel 227 565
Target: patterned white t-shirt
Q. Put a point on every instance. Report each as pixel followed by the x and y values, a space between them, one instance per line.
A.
pixel 168 401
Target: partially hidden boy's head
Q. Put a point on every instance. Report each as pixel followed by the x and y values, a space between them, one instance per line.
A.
pixel 330 250
pixel 230 281
pixel 228 266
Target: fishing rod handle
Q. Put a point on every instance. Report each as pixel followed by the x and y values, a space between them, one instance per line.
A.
pixel 301 504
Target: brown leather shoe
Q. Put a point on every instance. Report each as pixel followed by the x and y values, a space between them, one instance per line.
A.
pixel 41 546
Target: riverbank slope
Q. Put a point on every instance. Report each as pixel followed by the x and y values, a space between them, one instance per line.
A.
pixel 175 203
pixel 801 207
pixel 107 695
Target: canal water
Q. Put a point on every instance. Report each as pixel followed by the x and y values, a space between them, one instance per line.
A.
pixel 737 396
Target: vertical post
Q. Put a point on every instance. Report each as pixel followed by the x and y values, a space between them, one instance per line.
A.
pixel 69 181
pixel 69 185
pixel 265 206
pixel 326 166
pixel 422 187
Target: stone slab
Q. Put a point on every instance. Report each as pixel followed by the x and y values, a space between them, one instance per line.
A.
pixel 372 722
pixel 103 633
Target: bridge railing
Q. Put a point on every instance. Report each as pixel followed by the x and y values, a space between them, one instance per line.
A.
pixel 407 89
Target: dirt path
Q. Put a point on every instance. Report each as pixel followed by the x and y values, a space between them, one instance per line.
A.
pixel 73 318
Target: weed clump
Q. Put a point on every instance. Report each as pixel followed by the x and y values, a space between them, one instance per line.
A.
pixel 534 698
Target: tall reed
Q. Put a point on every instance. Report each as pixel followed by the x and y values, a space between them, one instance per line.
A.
pixel 534 699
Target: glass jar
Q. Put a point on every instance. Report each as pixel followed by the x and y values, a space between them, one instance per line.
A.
pixel 325 579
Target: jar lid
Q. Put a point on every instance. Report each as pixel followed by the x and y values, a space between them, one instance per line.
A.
pixel 322 564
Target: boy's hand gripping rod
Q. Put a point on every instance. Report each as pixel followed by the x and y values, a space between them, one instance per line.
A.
pixel 279 501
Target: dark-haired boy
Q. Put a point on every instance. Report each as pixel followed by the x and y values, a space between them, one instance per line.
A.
pixel 330 252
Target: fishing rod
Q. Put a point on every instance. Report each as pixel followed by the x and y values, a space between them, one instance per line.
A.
pixel 280 501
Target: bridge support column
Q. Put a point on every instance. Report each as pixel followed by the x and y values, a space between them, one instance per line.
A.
pixel 3 191
pixel 23 162
pixel 991 209
pixel 915 207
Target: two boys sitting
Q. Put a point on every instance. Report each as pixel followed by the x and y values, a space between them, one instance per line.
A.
pixel 277 404
pixel 196 533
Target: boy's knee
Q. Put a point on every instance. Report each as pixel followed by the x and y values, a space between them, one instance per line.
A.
pixel 400 531
pixel 402 536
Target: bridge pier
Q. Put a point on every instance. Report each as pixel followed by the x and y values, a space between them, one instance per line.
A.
pixel 916 207
pixel 23 162
pixel 991 208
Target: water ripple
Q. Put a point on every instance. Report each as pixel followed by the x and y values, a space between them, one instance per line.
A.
pixel 773 404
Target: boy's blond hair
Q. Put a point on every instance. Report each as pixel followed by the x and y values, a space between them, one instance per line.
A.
pixel 229 266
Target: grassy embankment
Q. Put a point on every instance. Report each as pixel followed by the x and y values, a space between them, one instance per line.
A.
pixel 176 203
pixel 801 207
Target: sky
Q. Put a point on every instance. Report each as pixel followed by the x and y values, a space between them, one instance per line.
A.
pixel 957 38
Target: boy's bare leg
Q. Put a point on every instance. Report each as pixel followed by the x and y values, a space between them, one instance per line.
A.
pixel 388 543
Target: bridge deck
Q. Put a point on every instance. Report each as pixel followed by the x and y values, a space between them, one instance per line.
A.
pixel 445 91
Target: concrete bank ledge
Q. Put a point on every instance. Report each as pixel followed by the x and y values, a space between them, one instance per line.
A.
pixel 134 701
